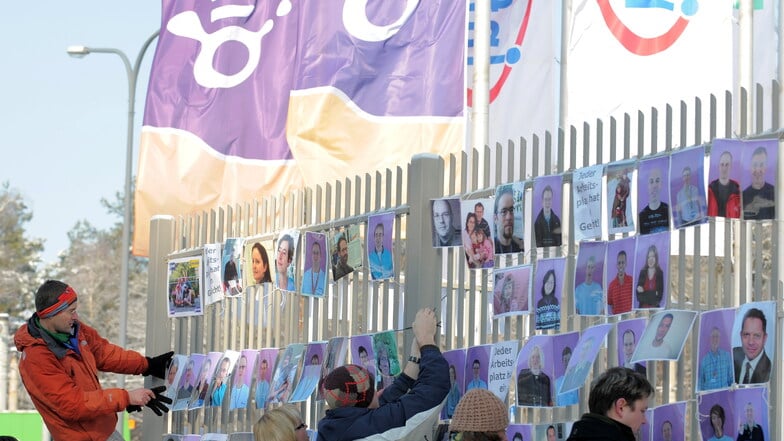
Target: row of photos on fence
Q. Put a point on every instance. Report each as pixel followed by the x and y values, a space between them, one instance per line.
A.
pixel 734 366
pixel 671 189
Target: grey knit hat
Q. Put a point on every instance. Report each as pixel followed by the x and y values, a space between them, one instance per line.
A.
pixel 479 411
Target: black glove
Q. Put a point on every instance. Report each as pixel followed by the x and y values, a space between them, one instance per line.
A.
pixel 156 366
pixel 157 404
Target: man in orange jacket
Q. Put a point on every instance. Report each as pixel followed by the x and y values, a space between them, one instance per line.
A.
pixel 60 361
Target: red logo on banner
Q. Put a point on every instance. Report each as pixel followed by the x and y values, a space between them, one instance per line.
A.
pixel 635 43
pixel 507 69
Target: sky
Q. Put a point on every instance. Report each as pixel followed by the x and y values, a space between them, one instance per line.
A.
pixel 64 120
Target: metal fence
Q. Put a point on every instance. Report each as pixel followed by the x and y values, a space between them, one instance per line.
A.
pixel 721 263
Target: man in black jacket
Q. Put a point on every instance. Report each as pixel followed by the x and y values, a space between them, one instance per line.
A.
pixel 617 404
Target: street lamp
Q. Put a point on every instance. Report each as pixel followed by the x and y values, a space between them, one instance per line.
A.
pixel 133 74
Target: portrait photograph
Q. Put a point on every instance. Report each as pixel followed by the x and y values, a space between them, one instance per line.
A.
pixel 265 367
pixel 628 335
pixel 652 271
pixel 173 374
pixel 242 378
pixel 231 266
pixel 362 352
pixel 477 367
pixel 285 260
pixel 307 383
pixel 379 246
pixel 758 181
pixel 519 432
pixel 668 422
pixel 478 233
pixel 717 418
pixel 724 174
pixel 653 199
pixel 184 286
pixel 314 277
pixel 589 279
pixel 754 342
pixel 751 413
pixel 221 378
pixel 456 360
pixel 548 285
pixel 620 217
pixel 687 187
pixel 619 273
pixel 445 224
pixel 200 393
pixel 665 335
pixel 511 291
pixel 339 250
pixel 285 373
pixel 583 357
pixel 188 381
pixel 715 370
pixel 334 356
pixel 552 431
pixel 508 215
pixel 314 353
pixel 258 256
pixel 564 346
pixel 387 359
pixel 535 373
pixel 547 209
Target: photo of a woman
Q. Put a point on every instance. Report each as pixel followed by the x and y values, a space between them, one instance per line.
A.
pixel 548 309
pixel 650 282
pixel 260 264
pixel 717 423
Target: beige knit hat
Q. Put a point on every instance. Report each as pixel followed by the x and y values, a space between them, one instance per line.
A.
pixel 479 411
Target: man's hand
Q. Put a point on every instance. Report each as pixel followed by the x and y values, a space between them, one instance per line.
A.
pixel 151 398
pixel 425 327
pixel 156 366
pixel 141 396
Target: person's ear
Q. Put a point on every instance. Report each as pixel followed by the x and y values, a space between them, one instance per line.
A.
pixel 618 406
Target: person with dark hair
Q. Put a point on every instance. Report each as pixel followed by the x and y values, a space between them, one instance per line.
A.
pixel 666 430
pixel 565 398
pixel 262 384
pixel 716 366
pixel 284 258
pixel 454 395
pixel 379 258
pixel 750 430
pixel 752 364
pixel 650 283
pixel 260 264
pixel 548 310
pixel 629 341
pixel 759 198
pixel 219 384
pixel 356 411
pixel 619 292
pixel 480 416
pixel 724 193
pixel 550 432
pixel 717 424
pixel 547 225
pixel 444 232
pixel 504 215
pixel 481 222
pixel 230 275
pixel 476 382
pixel 622 191
pixel 342 268
pixel 617 403
pixel 314 279
pixel 240 391
pixel 516 437
pixel 661 349
pixel 60 359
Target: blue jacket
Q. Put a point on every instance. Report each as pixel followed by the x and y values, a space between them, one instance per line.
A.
pixel 398 403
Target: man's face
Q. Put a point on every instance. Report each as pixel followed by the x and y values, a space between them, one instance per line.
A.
pixel 663 328
pixel 64 320
pixel 633 414
pixel 550 434
pixel 535 361
pixel 621 264
pixel 242 366
pixel 343 251
pixel 547 201
pixel 223 370
pixel 378 236
pixel 172 374
pixel 442 218
pixel 475 369
pixel 759 164
pixel 479 210
pixel 589 268
pixel 753 337
pixel 749 414
pixel 315 255
pixel 565 359
pixel 505 215
pixel 628 345
pixel 667 431
pixel 654 184
pixel 714 340
pixel 686 175
pixel 282 259
pixel 264 369
pixel 725 163
pixel 188 373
